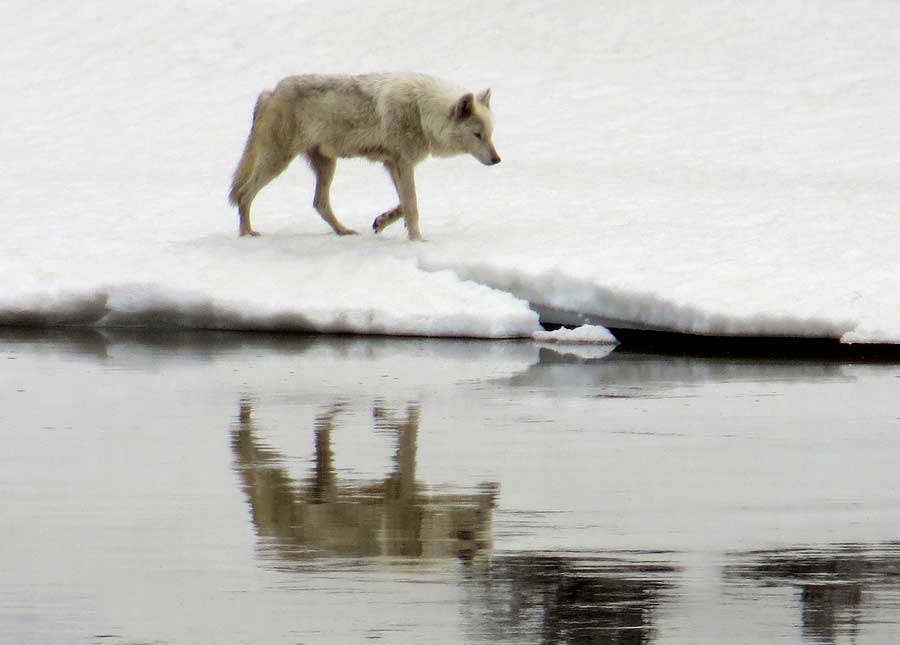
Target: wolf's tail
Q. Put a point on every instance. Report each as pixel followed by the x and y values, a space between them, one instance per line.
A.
pixel 244 170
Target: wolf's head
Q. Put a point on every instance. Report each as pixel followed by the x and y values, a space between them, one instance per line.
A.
pixel 471 127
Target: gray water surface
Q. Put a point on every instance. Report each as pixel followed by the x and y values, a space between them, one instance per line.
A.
pixel 239 488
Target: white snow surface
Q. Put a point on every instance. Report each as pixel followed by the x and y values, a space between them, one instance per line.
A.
pixel 728 167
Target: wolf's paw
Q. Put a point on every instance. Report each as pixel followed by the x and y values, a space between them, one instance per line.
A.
pixel 346 231
pixel 249 233
pixel 385 219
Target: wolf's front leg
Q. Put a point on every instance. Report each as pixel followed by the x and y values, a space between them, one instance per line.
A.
pixel 406 187
pixel 386 219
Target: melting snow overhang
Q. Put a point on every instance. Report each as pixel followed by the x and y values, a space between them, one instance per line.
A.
pixel 636 336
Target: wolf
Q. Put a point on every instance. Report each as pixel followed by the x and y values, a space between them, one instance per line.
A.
pixel 394 119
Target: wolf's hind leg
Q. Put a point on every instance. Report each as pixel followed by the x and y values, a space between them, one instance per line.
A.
pixel 324 168
pixel 244 227
pixel 261 172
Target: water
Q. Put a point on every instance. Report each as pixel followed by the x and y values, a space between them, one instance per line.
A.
pixel 239 488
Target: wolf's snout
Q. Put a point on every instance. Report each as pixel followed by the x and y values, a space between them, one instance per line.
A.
pixel 492 158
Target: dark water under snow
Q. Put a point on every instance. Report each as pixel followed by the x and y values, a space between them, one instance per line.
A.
pixel 238 488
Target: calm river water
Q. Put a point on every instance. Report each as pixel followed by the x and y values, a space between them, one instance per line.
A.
pixel 239 488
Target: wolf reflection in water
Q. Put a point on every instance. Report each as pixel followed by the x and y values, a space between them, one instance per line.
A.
pixel 839 588
pixel 326 516
pixel 530 597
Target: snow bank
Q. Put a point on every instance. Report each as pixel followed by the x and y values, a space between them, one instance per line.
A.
pixel 726 169
pixel 275 284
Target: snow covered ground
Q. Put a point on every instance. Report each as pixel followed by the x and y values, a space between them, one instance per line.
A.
pixel 727 167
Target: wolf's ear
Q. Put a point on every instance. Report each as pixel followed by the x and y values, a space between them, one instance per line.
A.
pixel 485 98
pixel 464 106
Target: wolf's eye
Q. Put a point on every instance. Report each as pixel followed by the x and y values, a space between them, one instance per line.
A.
pixel 479 135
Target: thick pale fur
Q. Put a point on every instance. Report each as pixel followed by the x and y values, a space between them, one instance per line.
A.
pixel 395 119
